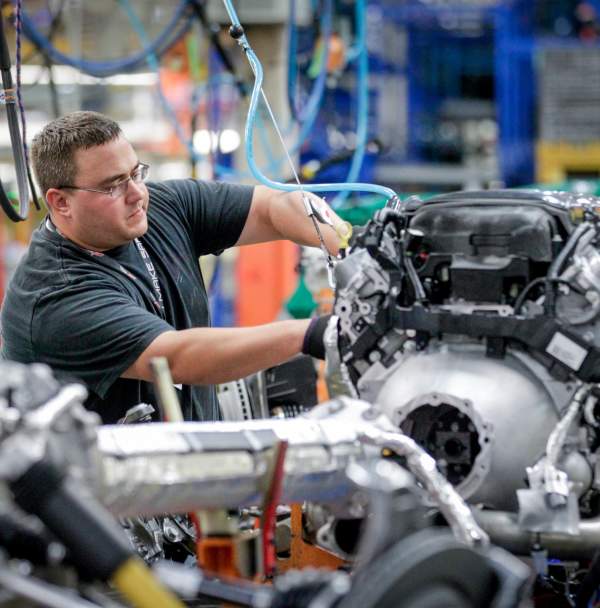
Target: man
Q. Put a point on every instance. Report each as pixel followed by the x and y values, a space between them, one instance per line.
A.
pixel 111 278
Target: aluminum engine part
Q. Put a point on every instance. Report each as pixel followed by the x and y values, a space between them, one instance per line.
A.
pixel 582 309
pixel 504 530
pixel 474 414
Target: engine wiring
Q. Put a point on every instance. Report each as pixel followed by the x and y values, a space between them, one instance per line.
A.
pixel 520 301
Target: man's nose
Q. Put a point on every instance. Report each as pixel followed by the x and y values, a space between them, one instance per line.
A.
pixel 134 190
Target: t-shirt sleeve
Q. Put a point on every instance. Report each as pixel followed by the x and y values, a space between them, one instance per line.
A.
pixel 92 333
pixel 214 212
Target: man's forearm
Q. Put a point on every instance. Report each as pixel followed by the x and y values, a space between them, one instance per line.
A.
pixel 214 355
pixel 291 220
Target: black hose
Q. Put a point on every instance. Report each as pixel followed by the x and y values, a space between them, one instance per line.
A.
pixel 97 546
pixel 24 182
pixel 420 294
pixel 527 290
pixel 23 542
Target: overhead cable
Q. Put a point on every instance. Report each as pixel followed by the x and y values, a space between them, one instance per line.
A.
pixel 9 99
pixel 177 26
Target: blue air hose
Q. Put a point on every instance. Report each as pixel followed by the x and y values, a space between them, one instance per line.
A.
pixel 307 115
pixel 100 69
pixel 237 32
pixel 363 101
pixel 152 61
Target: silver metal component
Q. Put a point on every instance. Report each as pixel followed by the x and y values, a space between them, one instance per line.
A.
pixel 555 481
pixel 46 415
pixel 423 467
pixel 389 518
pixel 470 308
pixel 549 504
pixel 584 269
pixel 336 375
pixel 464 428
pixel 178 467
pixel 540 512
pixel 583 272
pixel 314 271
pixel 40 429
pixel 370 284
pixel 504 530
pixel 234 401
pixel 499 397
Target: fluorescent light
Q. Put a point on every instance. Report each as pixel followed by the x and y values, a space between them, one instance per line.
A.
pixel 205 141
pixel 227 141
pixel 65 74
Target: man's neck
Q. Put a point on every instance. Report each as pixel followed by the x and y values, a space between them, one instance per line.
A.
pixel 51 225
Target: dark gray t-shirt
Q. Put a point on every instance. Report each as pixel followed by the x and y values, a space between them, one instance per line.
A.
pixel 90 318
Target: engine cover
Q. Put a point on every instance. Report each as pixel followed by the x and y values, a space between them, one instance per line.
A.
pixel 481 246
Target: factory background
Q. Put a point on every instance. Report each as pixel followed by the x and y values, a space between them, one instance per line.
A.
pixel 424 96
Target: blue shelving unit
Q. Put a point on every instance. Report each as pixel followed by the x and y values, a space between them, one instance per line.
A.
pixel 447 47
pixel 515 79
pixel 450 44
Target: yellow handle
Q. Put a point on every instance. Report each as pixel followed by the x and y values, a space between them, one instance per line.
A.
pixel 137 584
pixel 344 231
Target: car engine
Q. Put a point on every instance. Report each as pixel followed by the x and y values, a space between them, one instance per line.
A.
pixel 473 321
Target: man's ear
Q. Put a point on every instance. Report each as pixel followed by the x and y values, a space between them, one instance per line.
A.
pixel 58 203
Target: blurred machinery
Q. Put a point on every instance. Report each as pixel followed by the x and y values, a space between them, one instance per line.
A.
pixel 56 459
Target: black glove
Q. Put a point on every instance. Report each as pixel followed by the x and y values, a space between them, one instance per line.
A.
pixel 313 338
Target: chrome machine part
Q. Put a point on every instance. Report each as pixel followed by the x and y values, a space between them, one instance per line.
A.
pixel 550 502
pixel 336 374
pixel 181 467
pixel 584 272
pixel 234 400
pixel 61 427
pixel 395 508
pixel 505 531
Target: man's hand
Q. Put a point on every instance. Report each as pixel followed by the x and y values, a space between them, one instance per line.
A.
pixel 313 344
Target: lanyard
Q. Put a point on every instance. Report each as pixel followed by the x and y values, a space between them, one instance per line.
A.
pixel 158 302
pixel 157 298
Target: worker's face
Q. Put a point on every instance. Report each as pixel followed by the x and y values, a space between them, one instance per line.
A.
pixel 99 221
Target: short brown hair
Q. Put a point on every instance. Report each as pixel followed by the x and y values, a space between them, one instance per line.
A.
pixel 53 148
